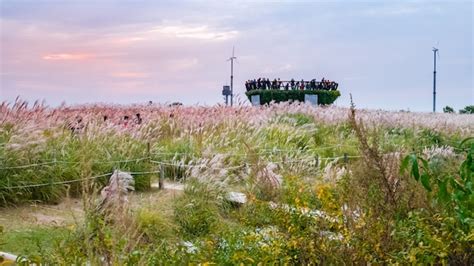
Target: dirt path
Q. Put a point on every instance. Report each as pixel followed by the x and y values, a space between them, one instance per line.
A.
pixel 66 213
pixel 70 211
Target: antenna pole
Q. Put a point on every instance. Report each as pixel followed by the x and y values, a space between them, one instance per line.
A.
pixel 232 80
pixel 434 81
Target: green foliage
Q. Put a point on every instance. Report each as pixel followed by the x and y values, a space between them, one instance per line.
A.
pixel 297 119
pixel 258 214
pixel 428 137
pixel 178 150
pixel 262 246
pixel 454 191
pixel 32 241
pixel 69 158
pixel 267 96
pixel 448 110
pixel 196 212
pixel 467 110
pixel 431 239
pixel 154 226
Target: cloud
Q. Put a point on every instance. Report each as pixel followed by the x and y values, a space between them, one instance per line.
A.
pixel 286 67
pixel 130 75
pixel 182 64
pixel 125 87
pixel 201 32
pixel 402 9
pixel 278 69
pixel 170 50
pixel 391 11
pixel 67 56
pixel 130 39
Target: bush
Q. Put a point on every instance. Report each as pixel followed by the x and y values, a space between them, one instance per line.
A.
pixel 197 211
pixel 431 239
pixel 154 226
pixel 453 192
pixel 267 96
pixel 448 109
pixel 467 110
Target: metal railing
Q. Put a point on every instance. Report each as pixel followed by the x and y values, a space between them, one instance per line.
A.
pixel 260 84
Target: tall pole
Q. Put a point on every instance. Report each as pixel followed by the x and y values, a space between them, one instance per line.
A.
pixel 232 77
pixel 434 80
pixel 232 80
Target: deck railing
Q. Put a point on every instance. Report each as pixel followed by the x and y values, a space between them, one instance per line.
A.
pixel 290 85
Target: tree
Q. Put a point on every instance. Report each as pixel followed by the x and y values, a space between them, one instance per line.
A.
pixel 448 109
pixel 467 110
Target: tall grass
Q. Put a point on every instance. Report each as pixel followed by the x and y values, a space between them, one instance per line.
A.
pixel 181 135
pixel 322 187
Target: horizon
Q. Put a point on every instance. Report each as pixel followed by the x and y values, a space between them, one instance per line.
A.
pixel 122 52
pixel 245 103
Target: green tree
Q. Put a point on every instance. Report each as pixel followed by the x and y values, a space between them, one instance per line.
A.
pixel 448 109
pixel 467 110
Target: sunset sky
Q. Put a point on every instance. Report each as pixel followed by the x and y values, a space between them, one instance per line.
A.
pixel 165 51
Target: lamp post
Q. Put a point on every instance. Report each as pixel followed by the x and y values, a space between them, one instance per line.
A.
pixel 435 50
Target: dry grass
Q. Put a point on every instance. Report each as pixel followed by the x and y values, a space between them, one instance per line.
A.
pixel 70 212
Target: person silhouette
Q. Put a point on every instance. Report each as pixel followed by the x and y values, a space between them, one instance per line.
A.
pixel 125 121
pixel 138 119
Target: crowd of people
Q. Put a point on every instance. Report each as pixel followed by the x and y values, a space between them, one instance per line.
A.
pixel 277 84
pixel 78 125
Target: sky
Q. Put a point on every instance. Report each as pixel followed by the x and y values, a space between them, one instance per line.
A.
pixel 175 51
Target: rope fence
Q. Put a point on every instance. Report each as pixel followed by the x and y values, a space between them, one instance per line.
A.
pixel 264 151
pixel 181 164
pixel 72 162
pixel 75 180
pixel 31 165
pixel 198 165
pixel 161 162
pixel 169 164
pixel 57 183
pixel 312 161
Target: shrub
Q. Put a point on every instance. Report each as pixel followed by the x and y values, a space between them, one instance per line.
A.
pixel 448 110
pixel 454 192
pixel 197 211
pixel 467 110
pixel 154 226
pixel 431 239
pixel 267 96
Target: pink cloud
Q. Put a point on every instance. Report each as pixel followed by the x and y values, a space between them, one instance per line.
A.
pixel 130 75
pixel 182 64
pixel 67 56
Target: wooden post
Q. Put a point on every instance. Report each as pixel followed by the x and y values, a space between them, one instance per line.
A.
pixel 162 177
pixel 346 158
pixel 149 161
pixel 148 151
pixel 317 160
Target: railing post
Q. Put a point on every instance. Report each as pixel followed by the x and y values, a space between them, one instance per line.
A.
pixel 162 177
pixel 148 154
pixel 148 159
